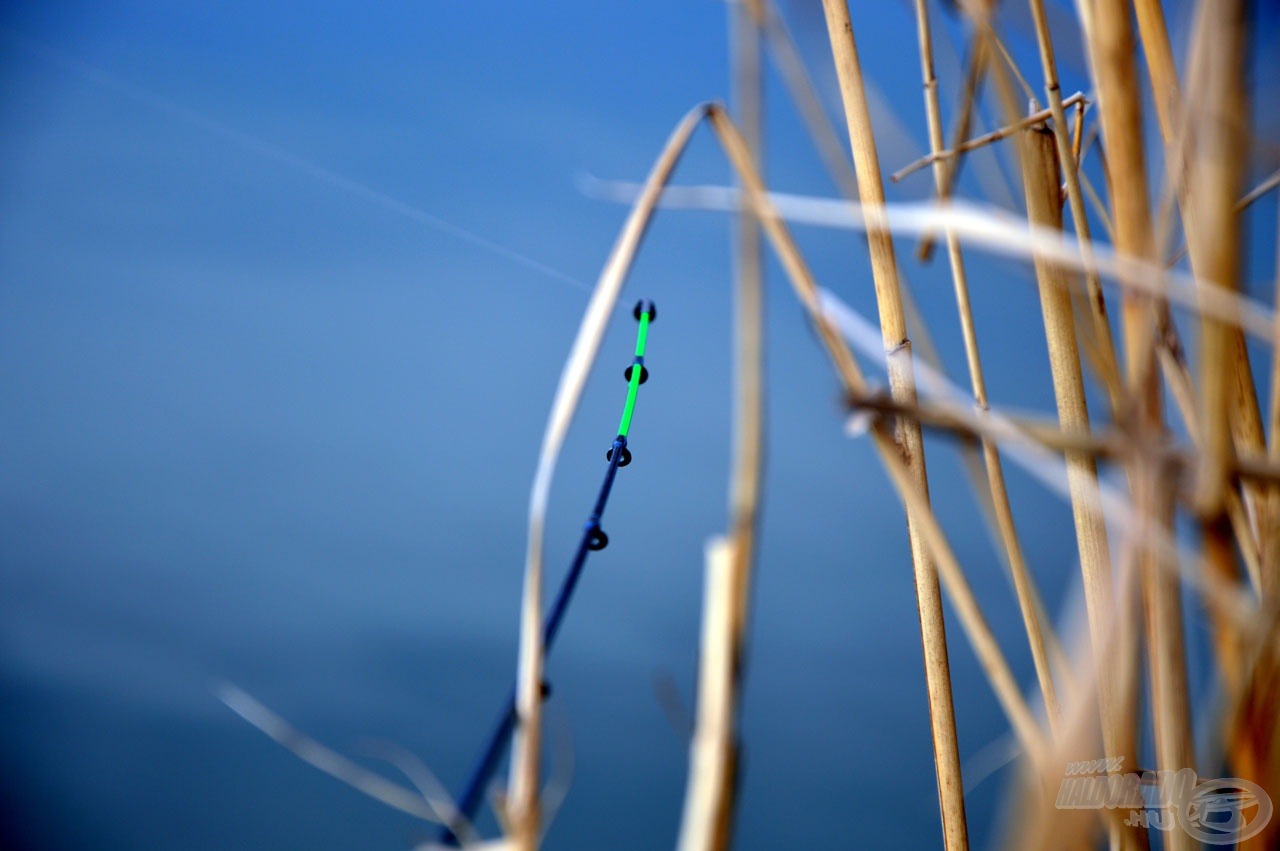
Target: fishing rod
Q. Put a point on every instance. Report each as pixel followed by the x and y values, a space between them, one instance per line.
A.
pixel 593 539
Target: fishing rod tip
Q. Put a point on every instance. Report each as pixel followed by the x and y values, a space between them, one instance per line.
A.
pixel 645 306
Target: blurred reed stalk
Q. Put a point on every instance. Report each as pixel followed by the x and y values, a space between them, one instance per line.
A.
pixel 707 824
pixel 1039 636
pixel 521 807
pixel 1224 475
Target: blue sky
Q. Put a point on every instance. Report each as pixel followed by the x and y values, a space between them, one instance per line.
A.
pixel 267 419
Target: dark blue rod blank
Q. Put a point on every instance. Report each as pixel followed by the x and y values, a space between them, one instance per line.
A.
pixel 593 538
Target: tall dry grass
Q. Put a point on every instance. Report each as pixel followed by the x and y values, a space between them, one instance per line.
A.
pixel 1129 675
pixel 1206 460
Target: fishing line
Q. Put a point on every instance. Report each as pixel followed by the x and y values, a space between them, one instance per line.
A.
pixel 593 539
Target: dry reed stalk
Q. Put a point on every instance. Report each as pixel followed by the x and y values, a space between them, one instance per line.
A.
pixel 829 146
pixel 1246 419
pixel 973 78
pixel 1238 517
pixel 986 648
pixel 1217 178
pixel 995 425
pixel 1038 626
pixel 1104 360
pixel 1250 467
pixel 831 150
pixel 1166 653
pixel 965 424
pixel 1003 234
pixel 827 142
pixel 973 144
pixel 748 454
pixel 431 802
pixel 908 435
pixel 1249 719
pixel 713 748
pixel 1099 207
pixel 1268 586
pixel 1095 334
pixel 802 91
pixel 1018 76
pixel 1068 156
pixel 1111 56
pixel 522 796
pixel 800 87
pixel 1077 139
pixel 964 120
pixel 988 652
pixel 709 821
pixel 1040 176
pixel 1111 52
pixel 1117 695
pixel 1258 191
pixel 711 766
pixel 1040 823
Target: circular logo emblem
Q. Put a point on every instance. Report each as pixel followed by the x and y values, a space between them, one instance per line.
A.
pixel 1225 811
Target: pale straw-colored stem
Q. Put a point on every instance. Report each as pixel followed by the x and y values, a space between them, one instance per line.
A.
pixel 986 648
pixel 964 121
pixel 1106 363
pixel 711 765
pixel 980 424
pixel 833 154
pixel 1112 59
pixel 713 748
pixel 1245 420
pixel 1039 628
pixel 748 416
pixel 1217 174
pixel 795 76
pixel 526 752
pixel 1269 579
pixel 987 228
pixel 1077 137
pixel 1099 208
pixel 981 141
pixel 1040 177
pixel 710 805
pixel 884 270
pixel 1258 191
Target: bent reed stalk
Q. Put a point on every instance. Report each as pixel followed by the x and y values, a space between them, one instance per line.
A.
pixel 1222 472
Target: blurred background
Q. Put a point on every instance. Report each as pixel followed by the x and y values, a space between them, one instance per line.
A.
pixel 285 291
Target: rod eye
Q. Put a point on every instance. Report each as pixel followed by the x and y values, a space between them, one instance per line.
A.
pixel 642 306
pixel 598 540
pixel 623 460
pixel 644 373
